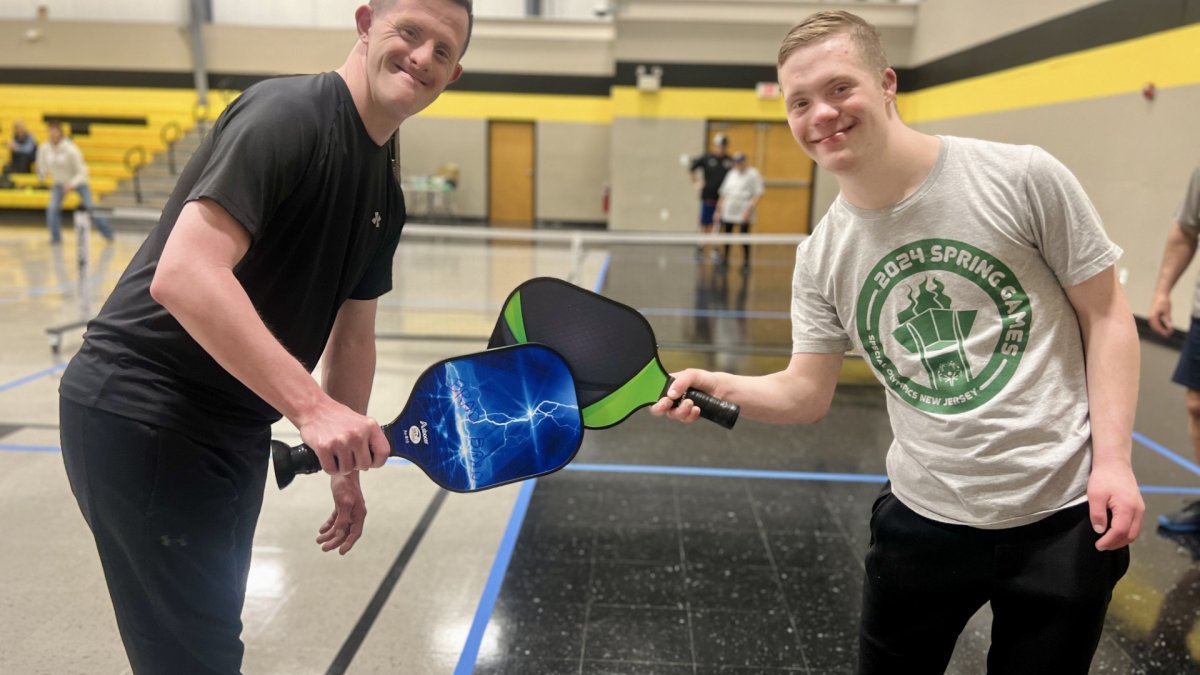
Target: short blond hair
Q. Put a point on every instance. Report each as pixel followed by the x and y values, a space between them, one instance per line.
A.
pixel 824 25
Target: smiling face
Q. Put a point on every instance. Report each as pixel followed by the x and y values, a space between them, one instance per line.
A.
pixel 838 108
pixel 412 53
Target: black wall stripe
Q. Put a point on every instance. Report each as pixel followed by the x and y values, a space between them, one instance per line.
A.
pixel 716 76
pixel 1094 26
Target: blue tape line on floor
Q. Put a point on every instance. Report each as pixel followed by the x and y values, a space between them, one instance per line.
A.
pixel 1165 452
pixel 35 376
pixel 487 603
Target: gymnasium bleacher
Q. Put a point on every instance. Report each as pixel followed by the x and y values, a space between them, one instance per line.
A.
pixel 109 124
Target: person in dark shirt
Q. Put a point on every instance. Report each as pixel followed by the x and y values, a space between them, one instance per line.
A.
pixel 270 254
pixel 708 172
pixel 22 149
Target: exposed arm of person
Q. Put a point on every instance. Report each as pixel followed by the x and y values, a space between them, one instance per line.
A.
pixel 696 174
pixel 1111 353
pixel 348 371
pixel 1181 248
pixel 799 394
pixel 194 281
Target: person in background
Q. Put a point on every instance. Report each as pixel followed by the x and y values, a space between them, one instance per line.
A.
pixel 707 173
pixel 737 201
pixel 61 158
pixel 1180 249
pixel 22 149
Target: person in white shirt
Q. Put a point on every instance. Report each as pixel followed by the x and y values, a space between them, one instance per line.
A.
pixel 61 158
pixel 739 195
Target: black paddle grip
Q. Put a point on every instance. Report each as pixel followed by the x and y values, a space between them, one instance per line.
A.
pixel 290 461
pixel 711 408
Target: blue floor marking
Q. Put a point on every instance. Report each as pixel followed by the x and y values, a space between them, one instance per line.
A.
pixel 30 378
pixel 487 603
pixel 714 313
pixel 730 473
pixel 1162 450
pixel 10 447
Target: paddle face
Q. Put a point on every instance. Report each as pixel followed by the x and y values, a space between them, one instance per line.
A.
pixel 490 418
pixel 477 421
pixel 610 346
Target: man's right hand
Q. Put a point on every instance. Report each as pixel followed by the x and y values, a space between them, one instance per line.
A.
pixel 1160 316
pixel 344 440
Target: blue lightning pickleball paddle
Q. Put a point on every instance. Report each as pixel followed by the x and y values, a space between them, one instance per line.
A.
pixel 610 347
pixel 477 421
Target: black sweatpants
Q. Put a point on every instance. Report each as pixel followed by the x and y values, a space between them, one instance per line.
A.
pixel 1048 586
pixel 173 521
pixel 728 228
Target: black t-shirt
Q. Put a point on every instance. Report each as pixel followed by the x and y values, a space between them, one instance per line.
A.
pixel 292 162
pixel 715 167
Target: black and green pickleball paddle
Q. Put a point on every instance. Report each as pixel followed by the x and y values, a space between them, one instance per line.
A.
pixel 609 346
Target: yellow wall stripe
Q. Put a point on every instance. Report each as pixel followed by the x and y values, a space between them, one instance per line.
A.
pixel 696 103
pixel 676 103
pixel 1168 59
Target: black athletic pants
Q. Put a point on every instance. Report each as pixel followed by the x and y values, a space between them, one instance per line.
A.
pixel 744 228
pixel 1048 585
pixel 173 521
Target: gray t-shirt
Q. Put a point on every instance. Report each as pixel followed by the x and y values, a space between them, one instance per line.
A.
pixel 1189 216
pixel 955 297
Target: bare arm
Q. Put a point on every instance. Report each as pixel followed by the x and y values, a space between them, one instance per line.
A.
pixel 1181 248
pixel 194 281
pixel 1110 345
pixel 348 372
pixel 800 394
pixel 348 365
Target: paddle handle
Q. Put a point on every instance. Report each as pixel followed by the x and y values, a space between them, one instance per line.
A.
pixel 712 408
pixel 292 460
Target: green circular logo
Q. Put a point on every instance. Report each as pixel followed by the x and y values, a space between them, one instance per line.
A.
pixel 923 316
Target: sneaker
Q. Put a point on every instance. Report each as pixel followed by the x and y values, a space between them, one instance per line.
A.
pixel 1186 519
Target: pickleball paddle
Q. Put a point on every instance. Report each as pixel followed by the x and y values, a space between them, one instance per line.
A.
pixel 477 421
pixel 610 348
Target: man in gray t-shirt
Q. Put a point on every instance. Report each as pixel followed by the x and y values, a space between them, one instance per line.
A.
pixel 1181 248
pixel 978 282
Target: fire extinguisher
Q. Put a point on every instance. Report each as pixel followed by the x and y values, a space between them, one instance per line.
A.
pixel 605 195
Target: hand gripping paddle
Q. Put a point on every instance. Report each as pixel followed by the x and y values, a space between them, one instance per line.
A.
pixel 477 421
pixel 610 347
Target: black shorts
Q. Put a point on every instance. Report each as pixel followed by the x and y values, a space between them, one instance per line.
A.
pixel 1187 372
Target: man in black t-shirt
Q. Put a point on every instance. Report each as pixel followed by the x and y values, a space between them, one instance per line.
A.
pixel 712 167
pixel 270 254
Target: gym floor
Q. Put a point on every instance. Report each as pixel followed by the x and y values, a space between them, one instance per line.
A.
pixel 662 549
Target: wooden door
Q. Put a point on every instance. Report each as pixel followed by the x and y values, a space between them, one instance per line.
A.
pixel 510 174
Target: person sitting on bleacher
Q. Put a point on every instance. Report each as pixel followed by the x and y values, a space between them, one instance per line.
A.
pixel 61 158
pixel 23 148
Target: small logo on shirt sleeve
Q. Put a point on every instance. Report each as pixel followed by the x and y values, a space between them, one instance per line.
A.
pixel 376 220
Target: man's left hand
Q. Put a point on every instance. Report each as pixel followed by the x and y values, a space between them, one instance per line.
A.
pixel 345 525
